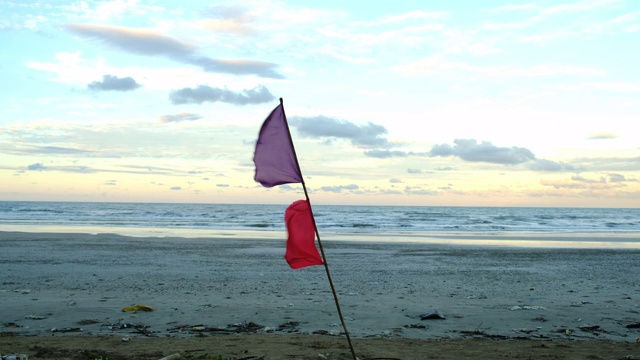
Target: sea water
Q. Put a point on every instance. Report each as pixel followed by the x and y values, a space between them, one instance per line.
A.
pixel 404 223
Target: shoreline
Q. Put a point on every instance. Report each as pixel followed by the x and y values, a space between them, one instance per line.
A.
pixel 578 240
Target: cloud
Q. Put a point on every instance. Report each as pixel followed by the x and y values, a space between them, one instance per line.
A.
pixel 383 154
pixel 390 192
pixel 545 13
pixel 601 180
pixel 617 86
pixel 564 184
pixel 137 41
pixel 368 135
pixel 576 7
pixel 285 187
pixel 48 150
pixel 416 190
pixel 222 185
pixel 235 66
pixel 339 189
pixel 36 167
pixel 204 93
pixel 620 178
pixel 175 188
pixel 625 22
pixel 151 43
pixel 395 181
pixel 602 183
pixel 602 136
pixel 610 163
pixel 471 150
pixel 439 64
pixel 71 169
pixel 442 150
pixel 233 19
pixel 114 83
pixel 549 165
pixel 180 117
pixel 414 171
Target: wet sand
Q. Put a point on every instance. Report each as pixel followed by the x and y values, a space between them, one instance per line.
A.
pixel 240 292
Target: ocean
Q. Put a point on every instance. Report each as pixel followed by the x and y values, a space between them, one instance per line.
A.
pixel 398 223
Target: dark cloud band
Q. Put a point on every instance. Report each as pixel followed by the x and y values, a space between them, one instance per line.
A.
pixel 151 43
pixel 369 135
pixel 204 93
pixel 114 83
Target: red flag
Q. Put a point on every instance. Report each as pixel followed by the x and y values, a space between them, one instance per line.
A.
pixel 301 248
pixel 274 156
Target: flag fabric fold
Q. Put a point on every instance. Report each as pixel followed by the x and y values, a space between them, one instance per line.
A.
pixel 301 248
pixel 274 156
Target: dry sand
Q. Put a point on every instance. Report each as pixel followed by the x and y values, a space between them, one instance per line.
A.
pixel 62 297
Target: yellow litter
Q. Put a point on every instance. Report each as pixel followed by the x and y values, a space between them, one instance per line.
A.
pixel 136 308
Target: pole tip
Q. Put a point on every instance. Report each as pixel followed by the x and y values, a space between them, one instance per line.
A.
pixel 280 101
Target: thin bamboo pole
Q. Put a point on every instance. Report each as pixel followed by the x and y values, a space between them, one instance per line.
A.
pixel 324 258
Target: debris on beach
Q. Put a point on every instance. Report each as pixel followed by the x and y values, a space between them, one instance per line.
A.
pixel 136 308
pixel 327 332
pixel 564 331
pixel 526 307
pixel 15 357
pixel 289 327
pixel 249 327
pixel 589 328
pixel 526 330
pixel 578 304
pixel 478 297
pixel 199 328
pixel 172 357
pixel 245 327
pixel 66 330
pixel 239 328
pixel 436 315
pixel 415 326
pixel 35 317
pixel 137 328
pixel 482 333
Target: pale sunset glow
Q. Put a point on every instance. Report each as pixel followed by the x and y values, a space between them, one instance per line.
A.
pixel 457 103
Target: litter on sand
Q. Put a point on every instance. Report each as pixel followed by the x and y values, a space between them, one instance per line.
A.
pixel 136 308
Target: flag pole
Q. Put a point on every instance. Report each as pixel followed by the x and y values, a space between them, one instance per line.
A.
pixel 315 226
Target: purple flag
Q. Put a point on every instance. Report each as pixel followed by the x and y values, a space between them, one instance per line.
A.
pixel 275 158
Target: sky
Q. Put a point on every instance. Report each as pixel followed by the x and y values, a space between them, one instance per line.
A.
pixel 427 103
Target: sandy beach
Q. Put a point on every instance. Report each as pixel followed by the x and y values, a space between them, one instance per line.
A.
pixel 63 296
